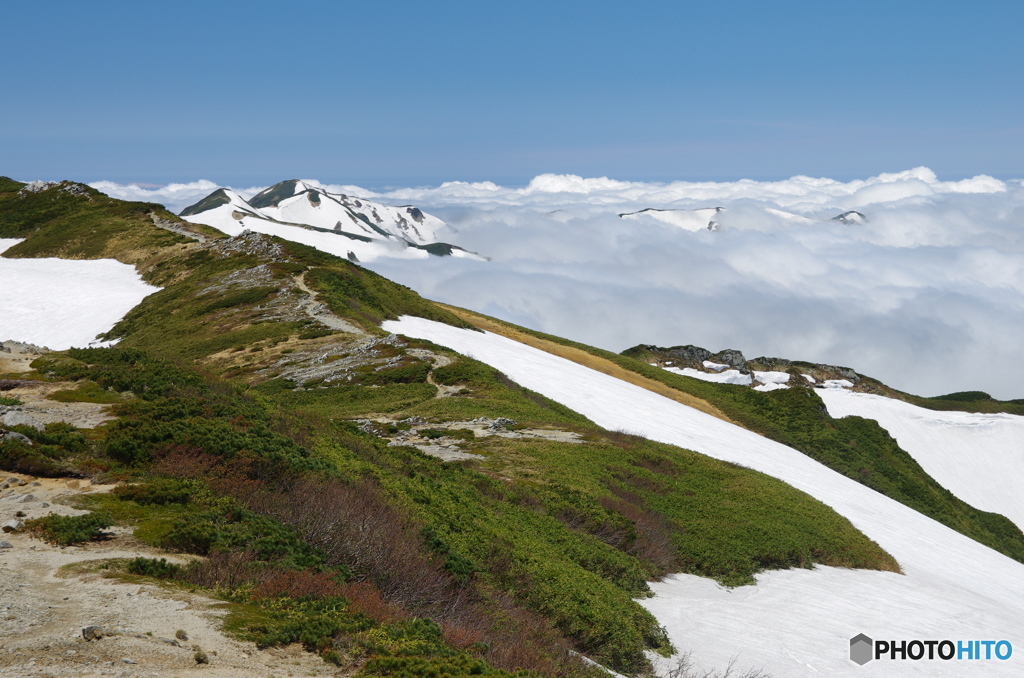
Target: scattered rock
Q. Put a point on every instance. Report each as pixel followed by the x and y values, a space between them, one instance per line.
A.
pixel 13 526
pixel 128 661
pixel 501 423
pixel 93 632
pixel 17 437
pixel 25 498
pixel 6 545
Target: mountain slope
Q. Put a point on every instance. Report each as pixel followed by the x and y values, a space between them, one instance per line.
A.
pixel 260 378
pixel 794 416
pixel 954 587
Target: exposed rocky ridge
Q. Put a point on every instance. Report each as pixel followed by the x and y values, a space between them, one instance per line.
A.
pixel 69 187
pixel 701 359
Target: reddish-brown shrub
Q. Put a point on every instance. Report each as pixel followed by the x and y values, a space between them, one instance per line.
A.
pixel 365 598
pixel 301 584
pixel 227 569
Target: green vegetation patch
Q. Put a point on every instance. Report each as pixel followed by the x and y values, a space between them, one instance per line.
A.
pixel 86 226
pixel 86 392
pixel 8 185
pixel 362 295
pixel 68 530
pixel 49 453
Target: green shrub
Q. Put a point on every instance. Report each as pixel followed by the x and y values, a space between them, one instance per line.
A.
pixel 10 401
pixel 67 530
pixel 250 296
pixel 161 491
pixel 315 333
pixel 151 567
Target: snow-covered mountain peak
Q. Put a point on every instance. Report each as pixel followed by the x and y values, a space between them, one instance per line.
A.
pixel 367 229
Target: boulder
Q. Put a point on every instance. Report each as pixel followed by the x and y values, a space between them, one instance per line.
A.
pixel 15 418
pixel 93 632
pixel 18 437
pixel 13 526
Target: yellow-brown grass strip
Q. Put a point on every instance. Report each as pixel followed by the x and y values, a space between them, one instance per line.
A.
pixel 581 357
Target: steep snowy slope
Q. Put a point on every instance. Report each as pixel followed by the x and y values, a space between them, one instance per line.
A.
pixel 60 303
pixel 332 222
pixel 977 457
pixel 793 623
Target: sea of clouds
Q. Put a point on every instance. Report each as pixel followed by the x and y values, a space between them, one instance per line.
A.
pixel 927 294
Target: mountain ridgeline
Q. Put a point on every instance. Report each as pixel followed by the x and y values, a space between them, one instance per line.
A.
pixel 429 515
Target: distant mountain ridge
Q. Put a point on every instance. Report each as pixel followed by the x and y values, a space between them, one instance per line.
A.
pixel 367 229
pixel 707 218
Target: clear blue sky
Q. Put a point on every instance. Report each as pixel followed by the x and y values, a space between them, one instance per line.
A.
pixel 398 93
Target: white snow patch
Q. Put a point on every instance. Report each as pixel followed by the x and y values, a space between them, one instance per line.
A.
pixel 794 622
pixel 60 303
pixel 809 378
pixel 718 367
pixel 977 457
pixel 771 381
pixel 838 383
pixel 727 377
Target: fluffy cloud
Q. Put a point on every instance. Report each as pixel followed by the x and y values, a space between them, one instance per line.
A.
pixel 927 295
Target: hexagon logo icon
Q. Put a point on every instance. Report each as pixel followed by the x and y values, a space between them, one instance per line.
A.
pixel 862 649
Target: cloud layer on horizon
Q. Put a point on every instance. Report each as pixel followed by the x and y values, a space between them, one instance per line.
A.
pixel 928 295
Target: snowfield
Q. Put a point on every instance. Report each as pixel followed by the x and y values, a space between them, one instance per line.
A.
pixel 60 303
pixel 795 622
pixel 977 457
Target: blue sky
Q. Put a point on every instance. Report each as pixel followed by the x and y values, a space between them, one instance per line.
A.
pixel 401 93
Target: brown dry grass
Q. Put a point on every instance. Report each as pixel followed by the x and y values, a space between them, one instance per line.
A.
pixel 581 357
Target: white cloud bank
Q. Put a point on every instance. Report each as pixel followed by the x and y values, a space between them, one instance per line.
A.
pixel 927 295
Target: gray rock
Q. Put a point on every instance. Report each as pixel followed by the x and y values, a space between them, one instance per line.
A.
pixel 733 358
pixel 93 632
pixel 25 498
pixel 6 545
pixel 128 661
pixel 14 435
pixel 44 504
pixel 16 418
pixel 13 526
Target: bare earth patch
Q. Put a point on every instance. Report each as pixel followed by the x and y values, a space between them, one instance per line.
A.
pixel 49 594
